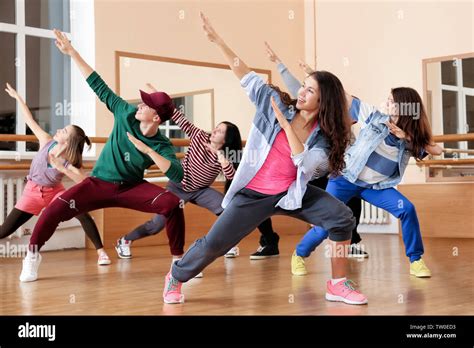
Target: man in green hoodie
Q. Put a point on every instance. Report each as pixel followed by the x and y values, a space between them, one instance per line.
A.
pixel 134 144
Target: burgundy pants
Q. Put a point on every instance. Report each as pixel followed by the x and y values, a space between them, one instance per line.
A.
pixel 94 193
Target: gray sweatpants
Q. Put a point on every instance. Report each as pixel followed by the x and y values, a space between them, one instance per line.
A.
pixel 207 198
pixel 247 210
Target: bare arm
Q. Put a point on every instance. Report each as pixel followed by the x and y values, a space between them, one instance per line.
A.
pixel 73 173
pixel 239 68
pixel 64 45
pixel 434 150
pixel 295 144
pixel 42 136
pixel 151 88
pixel 291 82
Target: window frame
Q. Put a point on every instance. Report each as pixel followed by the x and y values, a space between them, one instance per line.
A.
pixel 81 22
pixel 462 92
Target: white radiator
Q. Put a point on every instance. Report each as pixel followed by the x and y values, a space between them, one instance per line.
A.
pixel 10 192
pixel 371 215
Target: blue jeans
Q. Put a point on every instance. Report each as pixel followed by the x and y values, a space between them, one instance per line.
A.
pixel 389 199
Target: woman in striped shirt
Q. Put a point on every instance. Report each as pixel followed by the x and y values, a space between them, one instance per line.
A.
pixel 208 155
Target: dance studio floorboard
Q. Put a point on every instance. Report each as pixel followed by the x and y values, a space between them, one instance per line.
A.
pixel 70 282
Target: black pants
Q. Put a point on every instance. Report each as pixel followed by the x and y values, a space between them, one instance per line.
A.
pixel 17 218
pixel 355 204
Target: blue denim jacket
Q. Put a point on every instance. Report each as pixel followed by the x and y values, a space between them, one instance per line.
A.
pixel 264 130
pixel 374 130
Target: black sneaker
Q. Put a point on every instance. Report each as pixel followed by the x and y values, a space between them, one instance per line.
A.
pixel 356 251
pixel 264 252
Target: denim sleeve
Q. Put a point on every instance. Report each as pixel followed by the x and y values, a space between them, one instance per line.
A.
pixel 260 94
pixel 290 81
pixel 310 159
pixel 361 112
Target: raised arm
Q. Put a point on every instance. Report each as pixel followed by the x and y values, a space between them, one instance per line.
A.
pixel 187 127
pixel 64 45
pixel 42 136
pixel 308 160
pixel 296 146
pixel 239 68
pixel 291 82
pixel 434 149
pixel 106 95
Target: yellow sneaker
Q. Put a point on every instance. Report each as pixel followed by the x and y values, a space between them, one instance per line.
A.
pixel 297 265
pixel 419 269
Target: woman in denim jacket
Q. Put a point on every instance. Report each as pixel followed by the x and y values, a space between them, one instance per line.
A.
pixel 289 139
pixel 376 162
pixel 316 234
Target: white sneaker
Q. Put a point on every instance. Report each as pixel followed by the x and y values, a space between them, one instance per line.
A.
pixel 123 248
pixel 234 252
pixel 103 259
pixel 29 272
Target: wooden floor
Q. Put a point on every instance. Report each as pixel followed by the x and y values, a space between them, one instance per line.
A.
pixel 70 282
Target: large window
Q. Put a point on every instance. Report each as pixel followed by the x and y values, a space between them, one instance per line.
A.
pixel 32 64
pixel 457 95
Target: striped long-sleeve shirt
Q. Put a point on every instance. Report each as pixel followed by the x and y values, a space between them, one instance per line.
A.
pixel 201 166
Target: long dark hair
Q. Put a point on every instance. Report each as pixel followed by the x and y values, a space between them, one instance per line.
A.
pixel 232 147
pixel 75 146
pixel 415 124
pixel 333 116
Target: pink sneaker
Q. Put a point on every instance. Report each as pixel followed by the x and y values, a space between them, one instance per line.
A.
pixel 344 292
pixel 172 292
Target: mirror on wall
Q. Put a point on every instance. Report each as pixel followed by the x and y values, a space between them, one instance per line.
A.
pixel 449 99
pixel 208 93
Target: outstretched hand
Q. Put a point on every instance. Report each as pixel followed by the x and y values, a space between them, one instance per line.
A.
pixel 140 145
pixel 209 29
pixel 56 162
pixel 271 54
pixel 11 91
pixel 218 153
pixel 284 124
pixel 398 132
pixel 305 67
pixel 151 87
pixel 63 43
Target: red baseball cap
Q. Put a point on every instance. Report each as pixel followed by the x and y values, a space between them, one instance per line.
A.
pixel 161 102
